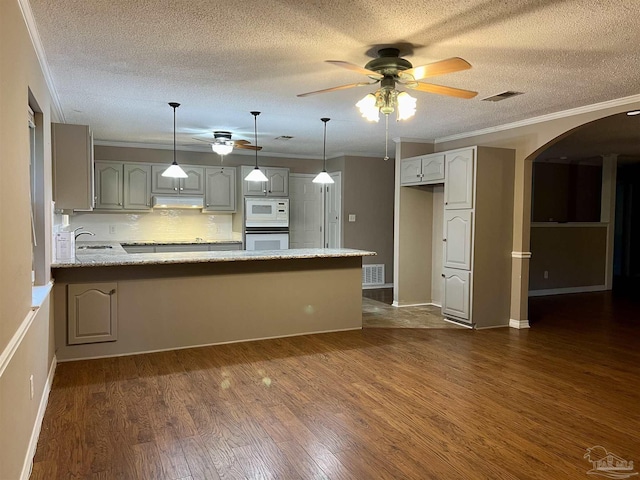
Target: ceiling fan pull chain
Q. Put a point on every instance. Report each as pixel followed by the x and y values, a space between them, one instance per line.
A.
pixel 386 137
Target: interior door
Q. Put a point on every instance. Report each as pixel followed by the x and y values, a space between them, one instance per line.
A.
pixel 333 212
pixel 305 220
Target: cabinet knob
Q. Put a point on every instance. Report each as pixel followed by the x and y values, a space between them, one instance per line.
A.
pixel 442 275
pixel 120 203
pixel 175 188
pixel 181 188
pixel 444 239
pixel 112 291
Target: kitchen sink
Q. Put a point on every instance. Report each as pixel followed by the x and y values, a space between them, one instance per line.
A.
pixel 94 247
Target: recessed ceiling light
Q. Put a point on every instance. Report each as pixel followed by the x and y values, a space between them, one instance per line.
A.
pixel 634 112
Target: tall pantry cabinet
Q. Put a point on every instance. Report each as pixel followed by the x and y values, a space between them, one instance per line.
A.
pixel 477 235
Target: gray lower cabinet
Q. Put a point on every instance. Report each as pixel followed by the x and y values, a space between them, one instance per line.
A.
pixel 220 189
pixel 92 313
pixel 214 247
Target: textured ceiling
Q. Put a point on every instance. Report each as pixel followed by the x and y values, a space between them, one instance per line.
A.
pixel 115 65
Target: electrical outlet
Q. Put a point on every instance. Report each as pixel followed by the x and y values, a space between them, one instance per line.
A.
pixel 352 217
pixel 546 274
pixel 112 229
pixel 31 391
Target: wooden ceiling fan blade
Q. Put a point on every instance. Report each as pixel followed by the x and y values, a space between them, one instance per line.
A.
pixel 248 147
pixel 237 143
pixel 333 89
pixel 449 65
pixel 442 90
pixel 353 67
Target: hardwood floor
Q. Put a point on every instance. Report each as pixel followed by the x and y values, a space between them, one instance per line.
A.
pixel 371 404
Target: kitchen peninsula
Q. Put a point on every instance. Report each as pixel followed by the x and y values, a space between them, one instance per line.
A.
pixel 108 302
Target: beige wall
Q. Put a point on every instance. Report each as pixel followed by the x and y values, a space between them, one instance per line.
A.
pixel 573 256
pixel 24 336
pixel 368 194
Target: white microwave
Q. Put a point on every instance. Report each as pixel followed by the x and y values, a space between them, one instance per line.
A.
pixel 266 212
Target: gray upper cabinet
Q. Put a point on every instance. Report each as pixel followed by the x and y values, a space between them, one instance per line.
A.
pixel 137 186
pixel 192 185
pixel 123 186
pixel 422 170
pixel 458 190
pixel 72 152
pixel 220 189
pixel 276 186
pixel 109 188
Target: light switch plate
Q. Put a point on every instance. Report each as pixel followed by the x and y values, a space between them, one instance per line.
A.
pixel 352 217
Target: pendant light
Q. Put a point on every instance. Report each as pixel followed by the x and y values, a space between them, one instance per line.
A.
pixel 323 176
pixel 256 174
pixel 174 170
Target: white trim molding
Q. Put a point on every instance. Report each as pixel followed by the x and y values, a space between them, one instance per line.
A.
pixel 566 290
pixel 35 433
pixel 544 118
pixel 526 255
pixel 519 324
pixel 32 28
pixel 16 340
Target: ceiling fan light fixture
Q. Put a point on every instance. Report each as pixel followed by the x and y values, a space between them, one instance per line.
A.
pixel 406 106
pixel 222 148
pixel 323 177
pixel 368 108
pixel 174 170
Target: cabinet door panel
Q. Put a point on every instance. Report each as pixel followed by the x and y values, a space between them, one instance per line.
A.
pixel 433 169
pixel 252 189
pixel 92 313
pixel 220 189
pixel 137 187
pixel 109 186
pixel 194 183
pixel 411 171
pixel 458 191
pixel 160 184
pixel 456 293
pixel 278 185
pixel 457 239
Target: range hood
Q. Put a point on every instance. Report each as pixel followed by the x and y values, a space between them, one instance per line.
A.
pixel 175 201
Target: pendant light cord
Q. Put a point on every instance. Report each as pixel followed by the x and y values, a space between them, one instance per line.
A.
pixel 255 133
pixel 386 137
pixel 324 145
pixel 174 105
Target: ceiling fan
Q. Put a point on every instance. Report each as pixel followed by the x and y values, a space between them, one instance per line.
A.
pixel 223 144
pixel 389 69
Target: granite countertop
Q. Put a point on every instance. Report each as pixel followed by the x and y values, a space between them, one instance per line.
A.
pixel 165 242
pixel 115 255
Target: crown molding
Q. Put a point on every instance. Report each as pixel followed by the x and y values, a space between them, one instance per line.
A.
pixel 27 14
pixel 544 118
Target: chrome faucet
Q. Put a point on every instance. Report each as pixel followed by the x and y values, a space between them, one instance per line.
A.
pixel 82 233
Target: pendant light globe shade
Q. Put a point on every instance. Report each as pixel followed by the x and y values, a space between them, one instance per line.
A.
pixel 323 176
pixel 256 174
pixel 174 170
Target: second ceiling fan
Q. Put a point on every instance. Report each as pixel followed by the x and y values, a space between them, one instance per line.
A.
pixel 223 144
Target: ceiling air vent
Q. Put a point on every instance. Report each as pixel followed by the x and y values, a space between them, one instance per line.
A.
pixel 502 96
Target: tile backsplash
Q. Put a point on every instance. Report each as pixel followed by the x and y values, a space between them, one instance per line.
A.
pixel 158 225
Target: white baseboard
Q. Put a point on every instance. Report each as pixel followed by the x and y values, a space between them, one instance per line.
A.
pixel 396 304
pixel 35 433
pixel 564 291
pixel 513 323
pixel 373 287
pixel 460 323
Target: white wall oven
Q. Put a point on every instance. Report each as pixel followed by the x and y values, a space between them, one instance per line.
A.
pixel 266 223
